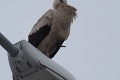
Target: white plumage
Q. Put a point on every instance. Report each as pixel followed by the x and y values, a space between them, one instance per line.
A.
pixel 53 28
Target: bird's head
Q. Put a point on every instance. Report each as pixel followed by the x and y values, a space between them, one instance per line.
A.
pixel 58 2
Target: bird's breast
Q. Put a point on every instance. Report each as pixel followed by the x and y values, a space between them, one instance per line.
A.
pixel 61 23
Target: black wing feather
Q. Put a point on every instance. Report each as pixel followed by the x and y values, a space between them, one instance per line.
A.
pixel 39 35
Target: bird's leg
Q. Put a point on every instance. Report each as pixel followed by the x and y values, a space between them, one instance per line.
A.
pixel 62 46
pixel 47 51
pixel 59 44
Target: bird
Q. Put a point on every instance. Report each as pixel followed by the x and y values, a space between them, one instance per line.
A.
pixel 53 28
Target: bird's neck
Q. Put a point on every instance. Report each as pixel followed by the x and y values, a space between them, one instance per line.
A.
pixel 55 6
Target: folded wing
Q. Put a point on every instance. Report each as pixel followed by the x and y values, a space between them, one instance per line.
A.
pixel 41 29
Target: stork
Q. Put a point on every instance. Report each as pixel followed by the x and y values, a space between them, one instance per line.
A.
pixel 53 28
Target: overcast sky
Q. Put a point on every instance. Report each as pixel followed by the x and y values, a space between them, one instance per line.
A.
pixel 93 48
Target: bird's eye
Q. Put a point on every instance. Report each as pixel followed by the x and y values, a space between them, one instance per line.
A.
pixel 61 1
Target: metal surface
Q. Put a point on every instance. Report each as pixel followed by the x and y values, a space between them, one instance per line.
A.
pixel 8 46
pixel 30 64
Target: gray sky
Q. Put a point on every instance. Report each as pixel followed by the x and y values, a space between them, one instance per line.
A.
pixel 93 48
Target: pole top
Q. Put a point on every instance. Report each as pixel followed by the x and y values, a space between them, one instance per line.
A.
pixel 8 46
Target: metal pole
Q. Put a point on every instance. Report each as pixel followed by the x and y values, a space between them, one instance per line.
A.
pixel 8 46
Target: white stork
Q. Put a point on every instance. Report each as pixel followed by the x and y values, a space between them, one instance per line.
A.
pixel 53 28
